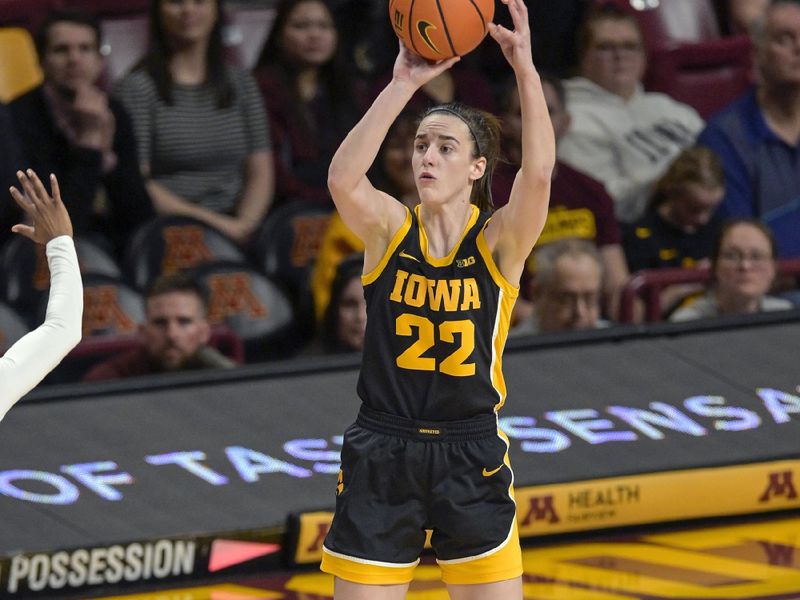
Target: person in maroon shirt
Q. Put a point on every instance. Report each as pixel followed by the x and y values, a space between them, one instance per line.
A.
pixel 580 207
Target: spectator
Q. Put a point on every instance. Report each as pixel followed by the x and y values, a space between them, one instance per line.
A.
pixel 579 205
pixel 391 174
pixel 310 99
pixel 175 334
pixel 69 127
pixel 567 289
pixel 200 124
pixel 346 315
pixel 681 222
pixel 10 161
pixel 758 135
pixel 620 134
pixel 743 14
pixel 743 267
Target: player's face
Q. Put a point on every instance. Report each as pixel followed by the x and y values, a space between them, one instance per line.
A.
pixel 188 21
pixel 572 300
pixel 694 205
pixel 779 54
pixel 745 267
pixel 309 36
pixel 176 327
pixel 615 58
pixel 352 315
pixel 72 58
pixel 443 162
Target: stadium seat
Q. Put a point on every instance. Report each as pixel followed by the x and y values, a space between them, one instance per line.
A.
pixel 167 245
pixel 110 307
pixel 648 284
pixel 687 72
pixel 253 306
pixel 19 63
pixel 26 277
pixel 288 243
pixel 12 327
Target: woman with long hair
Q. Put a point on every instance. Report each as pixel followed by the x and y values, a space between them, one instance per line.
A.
pixel 202 133
pixel 310 97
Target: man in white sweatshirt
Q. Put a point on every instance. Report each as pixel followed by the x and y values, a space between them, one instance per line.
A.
pixel 37 353
pixel 620 134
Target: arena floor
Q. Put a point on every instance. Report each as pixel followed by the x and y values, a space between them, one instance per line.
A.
pixel 754 559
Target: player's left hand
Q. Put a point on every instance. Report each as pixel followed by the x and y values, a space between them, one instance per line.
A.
pixel 516 44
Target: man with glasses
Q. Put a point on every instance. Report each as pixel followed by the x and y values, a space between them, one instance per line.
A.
pixel 620 134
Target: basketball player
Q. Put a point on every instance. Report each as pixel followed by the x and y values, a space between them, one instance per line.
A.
pixel 37 353
pixel 426 452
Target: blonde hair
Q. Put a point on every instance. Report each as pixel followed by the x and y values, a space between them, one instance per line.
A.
pixel 696 165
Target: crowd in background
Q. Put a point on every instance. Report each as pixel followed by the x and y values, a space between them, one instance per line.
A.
pixel 192 145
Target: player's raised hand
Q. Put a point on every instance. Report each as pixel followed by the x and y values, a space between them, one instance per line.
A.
pixel 416 70
pixel 47 213
pixel 516 44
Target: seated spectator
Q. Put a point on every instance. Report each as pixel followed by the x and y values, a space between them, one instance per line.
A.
pixel 758 136
pixel 69 127
pixel 566 290
pixel 10 162
pixel 345 317
pixel 175 334
pixel 391 173
pixel 743 14
pixel 743 268
pixel 620 134
pixel 311 101
pixel 200 124
pixel 681 222
pixel 579 205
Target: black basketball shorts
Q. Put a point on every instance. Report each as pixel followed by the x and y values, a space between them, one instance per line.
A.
pixel 401 478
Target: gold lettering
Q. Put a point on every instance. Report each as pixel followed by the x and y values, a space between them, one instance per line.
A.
pixel 442 290
pixel 399 280
pixel 471 298
pixel 416 290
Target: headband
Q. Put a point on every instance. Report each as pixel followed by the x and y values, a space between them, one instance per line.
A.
pixel 448 110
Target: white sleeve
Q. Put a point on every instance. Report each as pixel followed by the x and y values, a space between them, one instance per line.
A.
pixel 28 361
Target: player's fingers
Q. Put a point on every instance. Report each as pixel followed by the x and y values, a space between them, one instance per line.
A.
pixel 41 192
pixel 27 188
pixel 25 230
pixel 56 189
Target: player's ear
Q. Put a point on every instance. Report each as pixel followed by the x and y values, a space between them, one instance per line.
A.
pixel 477 169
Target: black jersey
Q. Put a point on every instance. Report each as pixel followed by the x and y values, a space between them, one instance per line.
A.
pixel 436 327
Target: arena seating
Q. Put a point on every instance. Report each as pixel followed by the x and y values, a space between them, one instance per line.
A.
pixel 19 65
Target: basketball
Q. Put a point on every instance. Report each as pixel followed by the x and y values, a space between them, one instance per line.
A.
pixel 437 29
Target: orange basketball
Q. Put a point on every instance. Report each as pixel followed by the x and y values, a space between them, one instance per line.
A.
pixel 437 29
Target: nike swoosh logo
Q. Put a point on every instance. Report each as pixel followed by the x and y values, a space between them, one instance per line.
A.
pixel 404 255
pixel 492 472
pixel 422 28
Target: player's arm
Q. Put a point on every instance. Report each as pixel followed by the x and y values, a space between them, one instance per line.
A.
pixel 516 226
pixel 371 214
pixel 37 353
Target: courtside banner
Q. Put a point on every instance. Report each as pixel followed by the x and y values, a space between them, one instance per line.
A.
pixel 48 574
pixel 191 456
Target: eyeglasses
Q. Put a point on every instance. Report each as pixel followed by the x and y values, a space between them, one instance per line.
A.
pixel 735 257
pixel 610 47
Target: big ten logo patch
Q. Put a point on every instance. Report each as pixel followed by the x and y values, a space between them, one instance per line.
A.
pixel 537 508
pixel 308 232
pixel 779 485
pixel 184 247
pixel 103 313
pixel 231 294
pixel 310 536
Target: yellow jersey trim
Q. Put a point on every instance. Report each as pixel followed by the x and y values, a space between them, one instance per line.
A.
pixel 368 278
pixel 359 570
pixel 423 239
pixel 512 291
